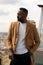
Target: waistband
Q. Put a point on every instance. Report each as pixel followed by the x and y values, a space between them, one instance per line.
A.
pixel 28 53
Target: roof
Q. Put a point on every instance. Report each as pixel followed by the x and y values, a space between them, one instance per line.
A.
pixel 40 5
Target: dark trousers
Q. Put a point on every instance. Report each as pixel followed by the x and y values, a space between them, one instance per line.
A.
pixel 23 59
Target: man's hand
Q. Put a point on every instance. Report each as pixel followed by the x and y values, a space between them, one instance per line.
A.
pixel 30 52
pixel 10 53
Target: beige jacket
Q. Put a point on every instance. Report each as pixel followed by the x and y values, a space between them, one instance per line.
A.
pixel 32 39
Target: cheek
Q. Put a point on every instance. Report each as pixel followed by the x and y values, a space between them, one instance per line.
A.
pixel 23 15
pixel 19 16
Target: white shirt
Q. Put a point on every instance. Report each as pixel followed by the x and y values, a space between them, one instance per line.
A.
pixel 20 47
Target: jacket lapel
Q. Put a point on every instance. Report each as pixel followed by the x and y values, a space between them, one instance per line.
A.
pixel 18 24
pixel 27 29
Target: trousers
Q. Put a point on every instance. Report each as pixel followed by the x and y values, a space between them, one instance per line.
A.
pixel 21 59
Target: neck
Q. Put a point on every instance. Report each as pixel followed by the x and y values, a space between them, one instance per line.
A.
pixel 24 21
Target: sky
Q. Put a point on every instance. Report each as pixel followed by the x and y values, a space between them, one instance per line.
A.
pixel 9 9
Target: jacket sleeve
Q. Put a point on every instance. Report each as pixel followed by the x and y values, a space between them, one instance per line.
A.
pixel 36 40
pixel 9 37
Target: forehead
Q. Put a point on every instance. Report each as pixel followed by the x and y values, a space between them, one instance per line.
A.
pixel 21 11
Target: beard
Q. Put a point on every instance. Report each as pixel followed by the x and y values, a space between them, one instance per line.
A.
pixel 20 19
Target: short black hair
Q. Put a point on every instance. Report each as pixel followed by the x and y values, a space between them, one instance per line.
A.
pixel 24 10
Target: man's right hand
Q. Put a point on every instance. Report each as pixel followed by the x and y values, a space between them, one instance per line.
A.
pixel 10 54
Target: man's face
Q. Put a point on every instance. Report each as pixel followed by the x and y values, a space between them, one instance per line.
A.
pixel 21 16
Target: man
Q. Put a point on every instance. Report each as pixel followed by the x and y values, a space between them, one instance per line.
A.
pixel 23 40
